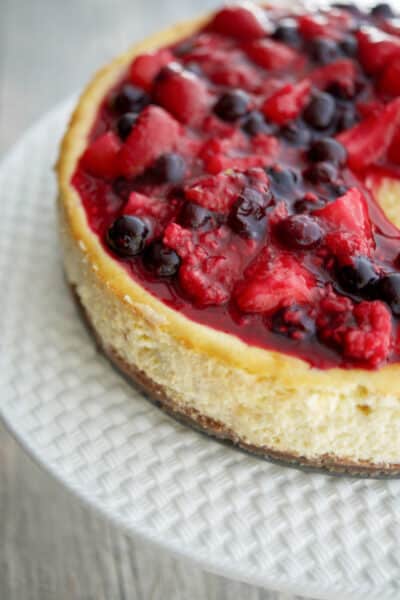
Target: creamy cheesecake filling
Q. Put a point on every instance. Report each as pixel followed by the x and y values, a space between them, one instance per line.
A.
pixel 227 173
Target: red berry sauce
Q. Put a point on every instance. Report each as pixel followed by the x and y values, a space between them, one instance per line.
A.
pixel 227 173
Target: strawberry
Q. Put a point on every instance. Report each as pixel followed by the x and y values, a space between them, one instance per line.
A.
pixel 389 83
pixel 182 93
pixel 287 103
pixel 273 282
pixel 348 212
pixel 348 224
pixel 244 21
pixel 342 72
pixel 100 158
pixel 146 67
pixel 376 48
pixel 330 25
pixel 154 133
pixel 270 54
pixel 368 142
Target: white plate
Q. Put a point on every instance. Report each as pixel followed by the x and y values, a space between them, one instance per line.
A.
pixel 234 514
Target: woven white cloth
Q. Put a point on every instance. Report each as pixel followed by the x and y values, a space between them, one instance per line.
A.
pixel 232 514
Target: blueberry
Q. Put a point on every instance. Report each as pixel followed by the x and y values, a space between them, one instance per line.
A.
pixel 184 47
pixel 293 322
pixel 322 172
pixel 161 260
pixel 347 117
pixel 351 8
pixel 130 99
pixel 232 105
pixel 193 216
pixel 247 216
pixel 122 187
pixel 349 45
pixel 255 123
pixel 296 134
pixel 127 235
pixel 194 68
pixel 283 181
pixel 125 124
pixel 382 11
pixel 169 168
pixel 299 232
pixel 340 91
pixel 328 149
pixel 388 289
pixel 287 32
pixel 359 279
pixel 324 51
pixel 307 205
pixel 320 111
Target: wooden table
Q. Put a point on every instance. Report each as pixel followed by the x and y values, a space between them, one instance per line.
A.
pixel 51 546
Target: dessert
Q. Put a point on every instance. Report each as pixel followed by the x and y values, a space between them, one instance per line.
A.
pixel 229 217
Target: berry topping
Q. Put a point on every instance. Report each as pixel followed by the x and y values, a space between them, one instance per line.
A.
pixel 244 21
pixel 328 149
pixel 125 124
pixel 382 11
pixel 324 51
pixel 232 105
pixel 146 67
pixel 169 168
pixel 127 235
pixel 320 111
pixel 182 93
pixel 287 32
pixel 237 169
pixel 287 103
pixel 359 278
pixel 193 216
pixel 130 99
pixel 155 132
pixel 248 215
pixel 388 289
pixel 299 232
pixel 101 157
pixel 254 123
pixel 161 260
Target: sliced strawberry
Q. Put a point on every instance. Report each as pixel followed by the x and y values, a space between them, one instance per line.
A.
pixel 245 21
pixel 273 282
pixel 229 74
pixel 211 262
pixel 376 48
pixel 287 103
pixel 329 25
pixel 389 83
pixel 270 54
pixel 100 158
pixel 368 142
pixel 371 108
pixel 342 72
pixel 159 211
pixel 146 67
pixel 348 213
pixel 182 93
pixel 154 133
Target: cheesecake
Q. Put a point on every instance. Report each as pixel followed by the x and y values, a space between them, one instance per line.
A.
pixel 229 213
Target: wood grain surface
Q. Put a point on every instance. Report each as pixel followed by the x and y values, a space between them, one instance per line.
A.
pixel 51 546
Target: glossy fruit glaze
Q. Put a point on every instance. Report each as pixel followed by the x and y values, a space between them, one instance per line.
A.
pixel 227 174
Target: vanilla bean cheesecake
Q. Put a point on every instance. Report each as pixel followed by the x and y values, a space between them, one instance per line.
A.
pixel 229 203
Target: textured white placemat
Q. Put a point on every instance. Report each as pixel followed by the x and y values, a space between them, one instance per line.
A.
pixel 234 514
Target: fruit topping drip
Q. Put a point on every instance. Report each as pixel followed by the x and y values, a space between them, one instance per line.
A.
pixel 228 174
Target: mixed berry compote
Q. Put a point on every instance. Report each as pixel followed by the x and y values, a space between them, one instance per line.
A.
pixel 227 174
